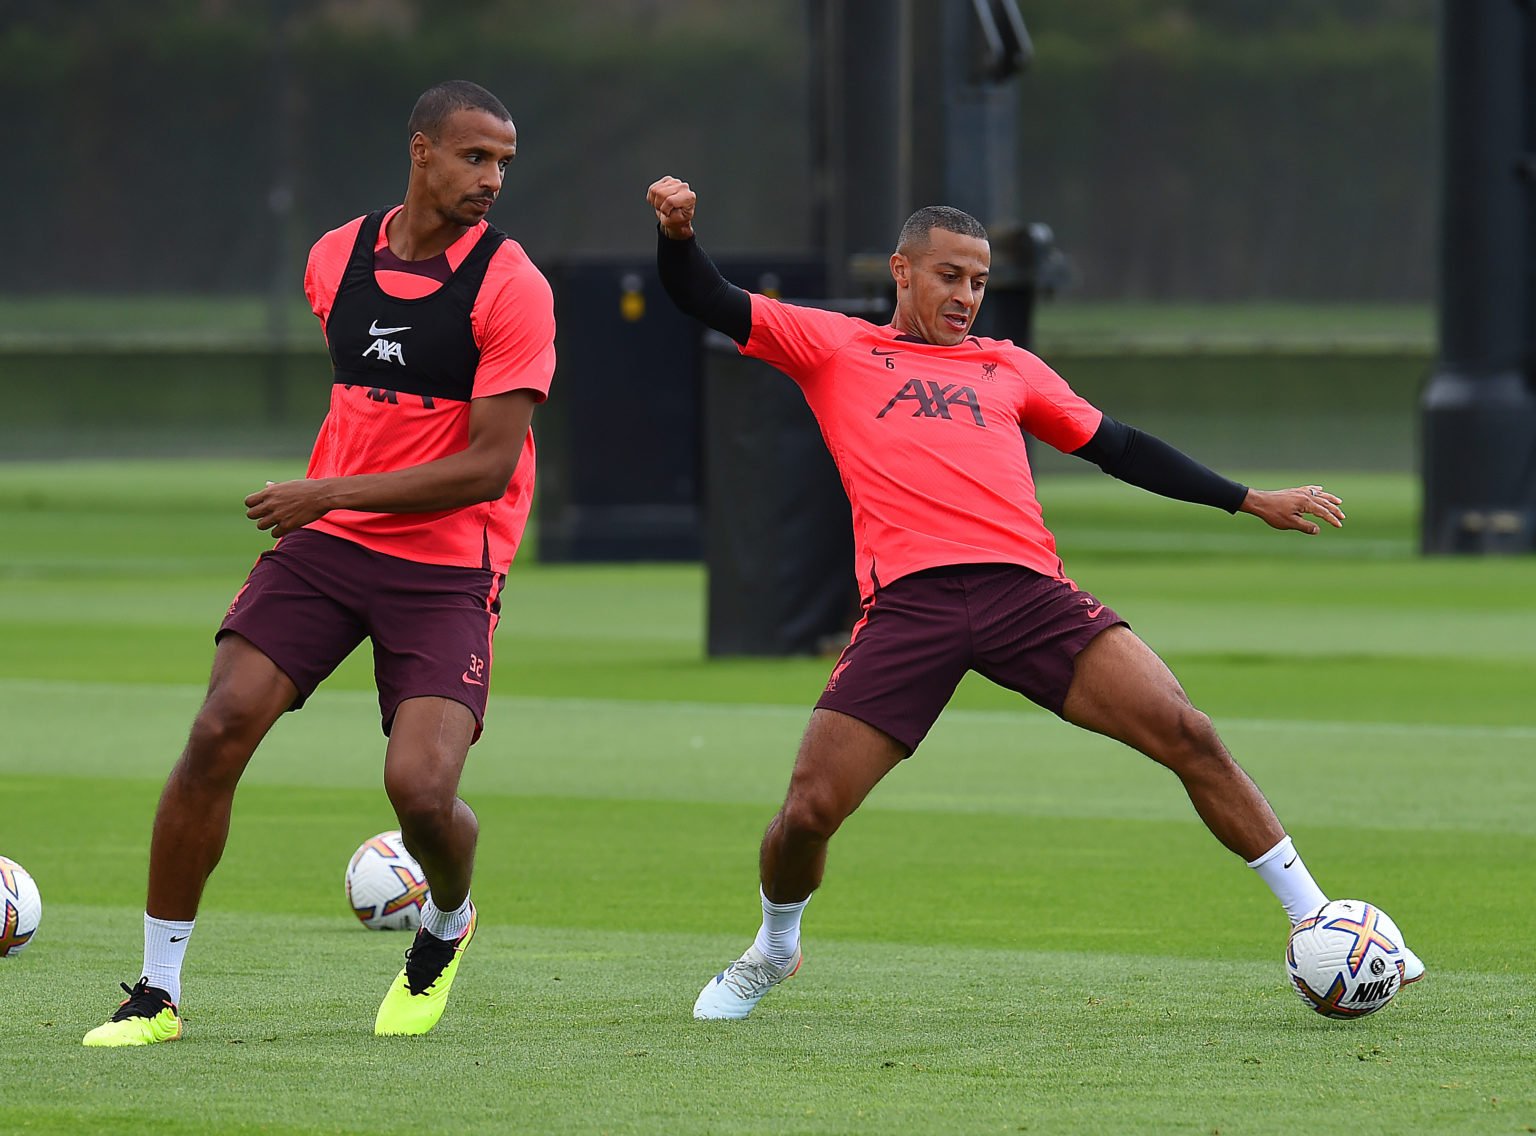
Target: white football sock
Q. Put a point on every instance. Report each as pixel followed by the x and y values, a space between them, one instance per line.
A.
pixel 448 925
pixel 165 945
pixel 1281 868
pixel 779 936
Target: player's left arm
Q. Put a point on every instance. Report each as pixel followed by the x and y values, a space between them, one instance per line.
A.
pixel 1146 461
pixel 498 425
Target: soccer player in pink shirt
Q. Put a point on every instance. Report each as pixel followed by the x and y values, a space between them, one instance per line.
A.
pixel 956 568
pixel 441 334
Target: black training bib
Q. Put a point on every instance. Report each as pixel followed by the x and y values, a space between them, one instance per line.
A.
pixel 423 347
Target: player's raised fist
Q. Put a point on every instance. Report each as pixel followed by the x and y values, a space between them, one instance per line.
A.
pixel 674 203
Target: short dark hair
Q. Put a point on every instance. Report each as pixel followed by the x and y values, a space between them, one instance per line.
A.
pixel 915 232
pixel 437 103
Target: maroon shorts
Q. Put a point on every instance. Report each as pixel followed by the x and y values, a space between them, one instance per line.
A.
pixel 922 632
pixel 312 598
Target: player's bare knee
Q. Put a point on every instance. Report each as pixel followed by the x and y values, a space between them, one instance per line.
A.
pixel 1197 728
pixel 1189 742
pixel 417 807
pixel 421 806
pixel 423 817
pixel 810 816
pixel 221 742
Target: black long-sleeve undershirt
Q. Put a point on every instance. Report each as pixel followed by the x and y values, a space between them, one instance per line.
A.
pixel 1148 462
pixel 698 289
pixel 695 285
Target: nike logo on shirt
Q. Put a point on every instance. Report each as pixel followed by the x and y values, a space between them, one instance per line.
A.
pixel 375 329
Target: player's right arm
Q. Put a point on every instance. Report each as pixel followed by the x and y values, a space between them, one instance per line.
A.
pixel 498 424
pixel 686 272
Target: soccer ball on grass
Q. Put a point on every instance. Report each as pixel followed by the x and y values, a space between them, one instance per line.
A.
pixel 385 885
pixel 21 907
pixel 1345 959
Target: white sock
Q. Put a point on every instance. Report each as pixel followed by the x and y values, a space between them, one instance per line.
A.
pixel 448 925
pixel 779 936
pixel 1281 868
pixel 165 945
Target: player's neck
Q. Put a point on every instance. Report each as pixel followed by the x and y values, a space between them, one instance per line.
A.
pixel 904 328
pixel 415 233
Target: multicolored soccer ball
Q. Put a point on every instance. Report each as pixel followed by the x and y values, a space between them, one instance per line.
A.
pixel 1345 960
pixel 21 908
pixel 385 885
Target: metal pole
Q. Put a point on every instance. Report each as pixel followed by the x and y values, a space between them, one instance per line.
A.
pixel 1479 408
pixel 281 282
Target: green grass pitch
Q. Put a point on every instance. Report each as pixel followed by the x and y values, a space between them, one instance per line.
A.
pixel 1025 930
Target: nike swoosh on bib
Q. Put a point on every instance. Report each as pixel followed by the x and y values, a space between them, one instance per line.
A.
pixel 375 329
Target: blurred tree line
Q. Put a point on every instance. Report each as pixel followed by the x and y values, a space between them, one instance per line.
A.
pixel 1179 148
pixel 1237 148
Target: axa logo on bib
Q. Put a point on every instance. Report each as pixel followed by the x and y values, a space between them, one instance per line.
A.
pixel 383 349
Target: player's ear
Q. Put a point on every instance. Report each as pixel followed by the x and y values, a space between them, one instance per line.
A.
pixel 420 145
pixel 900 270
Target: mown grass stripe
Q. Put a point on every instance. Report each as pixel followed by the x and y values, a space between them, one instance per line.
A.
pixel 1028 719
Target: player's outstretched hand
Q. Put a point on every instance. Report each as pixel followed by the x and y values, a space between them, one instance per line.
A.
pixel 674 203
pixel 1291 508
pixel 284 506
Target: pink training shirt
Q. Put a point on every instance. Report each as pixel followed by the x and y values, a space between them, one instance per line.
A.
pixel 513 324
pixel 927 438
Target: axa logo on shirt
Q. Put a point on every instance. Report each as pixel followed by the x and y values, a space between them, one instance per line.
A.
pixel 383 349
pixel 933 400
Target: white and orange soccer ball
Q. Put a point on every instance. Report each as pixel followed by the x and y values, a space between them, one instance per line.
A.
pixel 21 907
pixel 1345 960
pixel 385 885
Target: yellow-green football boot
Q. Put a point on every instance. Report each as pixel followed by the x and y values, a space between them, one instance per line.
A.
pixel 146 1017
pixel 419 993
